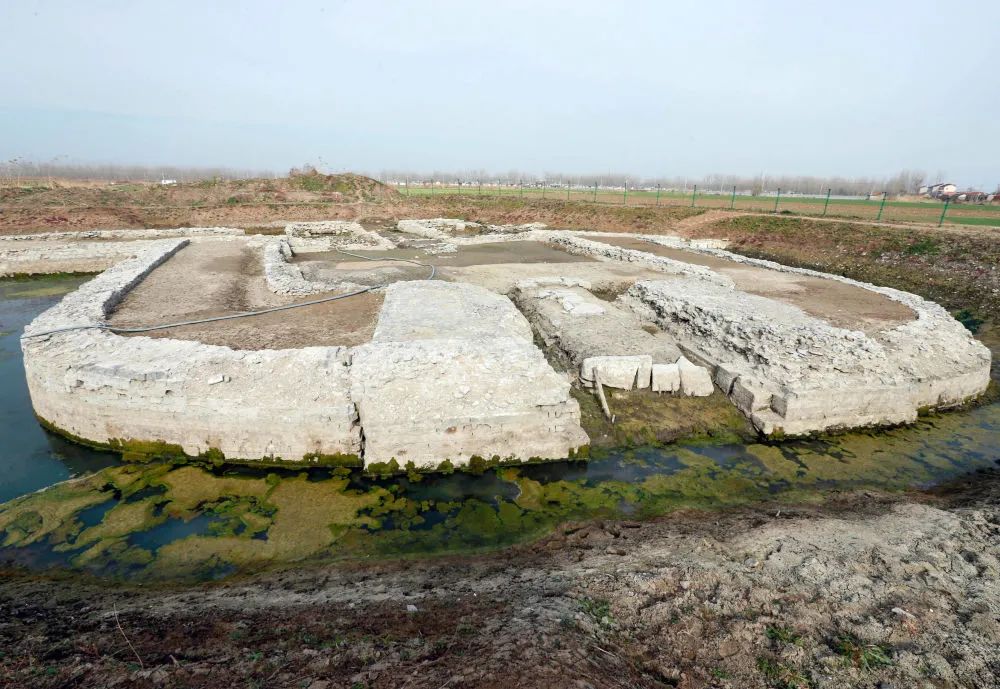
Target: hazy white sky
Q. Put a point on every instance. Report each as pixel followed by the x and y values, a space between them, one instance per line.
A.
pixel 649 88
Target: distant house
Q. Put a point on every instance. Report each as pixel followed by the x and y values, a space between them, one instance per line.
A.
pixel 168 182
pixel 971 197
pixel 941 190
pixel 924 190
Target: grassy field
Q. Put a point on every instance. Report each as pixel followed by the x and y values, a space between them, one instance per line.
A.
pixel 861 209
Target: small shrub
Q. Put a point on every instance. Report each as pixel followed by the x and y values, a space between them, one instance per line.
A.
pixel 862 655
pixel 785 635
pixel 781 676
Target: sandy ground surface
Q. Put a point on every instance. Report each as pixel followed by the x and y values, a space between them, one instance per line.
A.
pixel 215 278
pixel 842 305
pixel 869 590
pixel 470 255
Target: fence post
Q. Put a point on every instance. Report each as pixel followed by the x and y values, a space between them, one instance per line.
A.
pixel 827 203
pixel 407 186
pixel 657 194
pixel 567 190
pixel 499 193
pixel 595 192
pixel 881 206
pixel 543 189
pixel 943 211
pixel 694 195
pixel 521 189
pixel 776 199
pixel 625 197
pixel 732 201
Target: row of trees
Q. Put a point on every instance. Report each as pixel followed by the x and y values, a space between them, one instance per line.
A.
pixel 14 170
pixel 904 182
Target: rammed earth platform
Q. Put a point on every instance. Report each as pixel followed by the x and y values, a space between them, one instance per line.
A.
pixel 478 361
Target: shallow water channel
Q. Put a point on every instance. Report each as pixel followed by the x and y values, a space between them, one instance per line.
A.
pixel 181 522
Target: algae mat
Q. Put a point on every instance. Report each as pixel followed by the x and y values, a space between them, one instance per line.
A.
pixel 184 522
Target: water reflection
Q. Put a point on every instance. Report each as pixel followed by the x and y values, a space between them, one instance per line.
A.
pixel 30 457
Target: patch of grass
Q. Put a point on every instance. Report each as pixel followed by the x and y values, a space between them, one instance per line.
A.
pixel 926 246
pixel 719 673
pixel 785 635
pixel 596 608
pixel 782 676
pixel 863 655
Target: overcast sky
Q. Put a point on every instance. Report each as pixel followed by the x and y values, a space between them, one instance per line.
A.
pixel 649 88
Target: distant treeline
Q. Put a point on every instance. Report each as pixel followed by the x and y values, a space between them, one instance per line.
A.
pixel 904 182
pixel 16 169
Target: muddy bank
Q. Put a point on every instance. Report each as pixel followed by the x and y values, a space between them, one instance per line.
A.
pixel 868 588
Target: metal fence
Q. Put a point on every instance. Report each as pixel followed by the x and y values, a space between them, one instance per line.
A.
pixel 878 209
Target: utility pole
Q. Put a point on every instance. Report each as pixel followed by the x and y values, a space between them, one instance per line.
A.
pixel 732 201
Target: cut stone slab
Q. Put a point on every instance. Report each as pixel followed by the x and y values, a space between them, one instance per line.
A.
pixel 430 309
pixel 666 378
pixel 428 400
pixel 622 372
pixel 452 373
pixel 591 332
pixel 695 380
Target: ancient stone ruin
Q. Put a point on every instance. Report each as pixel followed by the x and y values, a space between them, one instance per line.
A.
pixel 455 340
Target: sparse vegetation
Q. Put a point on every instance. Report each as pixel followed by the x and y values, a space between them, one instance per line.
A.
pixel 863 655
pixel 782 676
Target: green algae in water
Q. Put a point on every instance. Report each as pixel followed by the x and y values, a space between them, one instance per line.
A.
pixel 177 522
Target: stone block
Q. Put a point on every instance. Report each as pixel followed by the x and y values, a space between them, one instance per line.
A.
pixel 622 372
pixel 695 380
pixel 666 378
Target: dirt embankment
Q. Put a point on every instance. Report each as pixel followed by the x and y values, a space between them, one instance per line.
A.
pixel 240 203
pixel 869 590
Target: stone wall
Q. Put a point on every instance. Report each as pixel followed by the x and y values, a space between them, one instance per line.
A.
pixel 792 373
pixel 451 373
pixel 102 387
pixel 89 251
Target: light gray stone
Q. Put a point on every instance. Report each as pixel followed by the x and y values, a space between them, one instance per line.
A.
pixel 622 372
pixel 695 380
pixel 666 378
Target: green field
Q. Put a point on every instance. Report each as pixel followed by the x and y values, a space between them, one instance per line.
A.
pixel 861 209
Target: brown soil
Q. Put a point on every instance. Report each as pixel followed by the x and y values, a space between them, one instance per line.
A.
pixel 214 278
pixel 842 305
pixel 750 598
